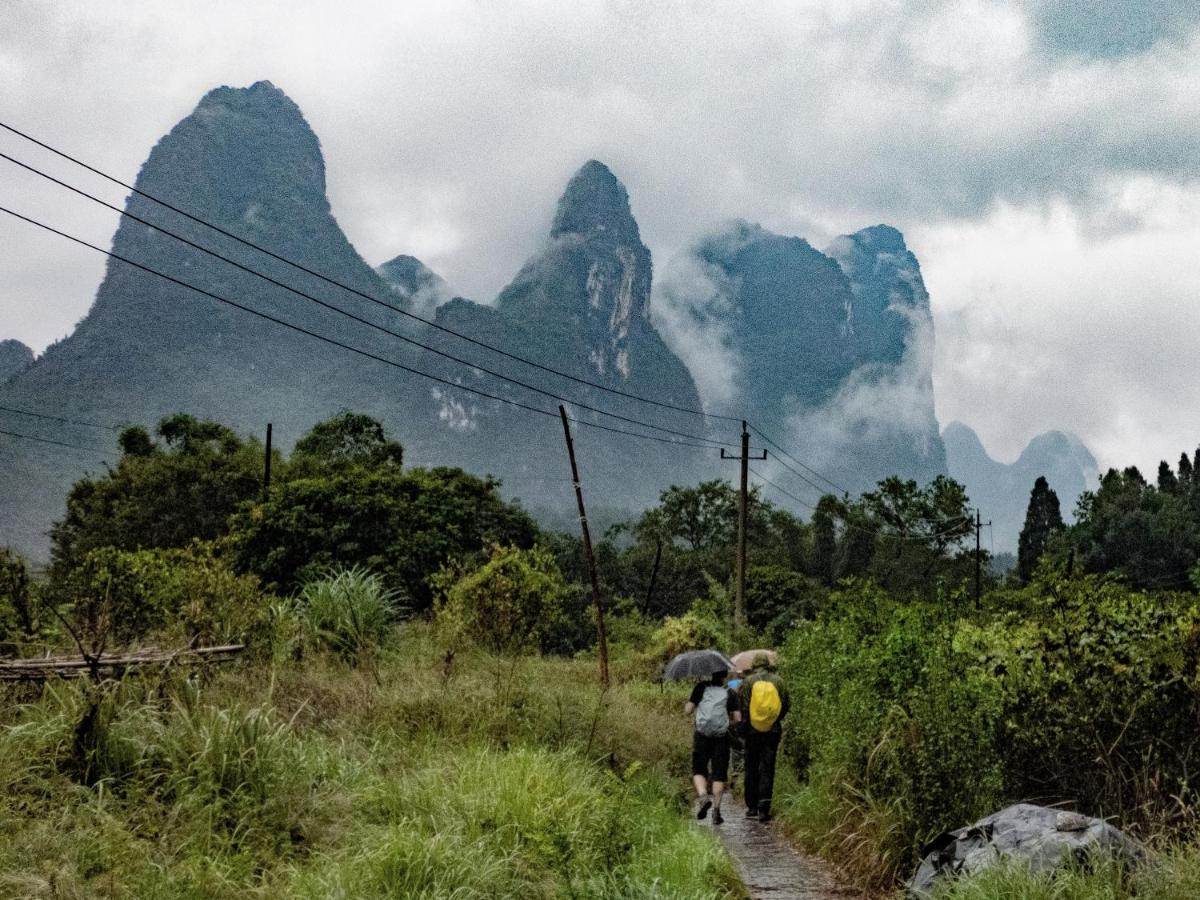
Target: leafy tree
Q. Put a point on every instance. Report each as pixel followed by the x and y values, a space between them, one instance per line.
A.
pixel 824 556
pixel 1167 482
pixel 347 440
pixel 1043 520
pixel 776 597
pixel 906 537
pixel 689 537
pixel 402 525
pixel 511 603
pixel 163 493
pixel 1148 534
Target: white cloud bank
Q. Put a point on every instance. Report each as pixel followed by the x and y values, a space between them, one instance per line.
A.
pixel 992 133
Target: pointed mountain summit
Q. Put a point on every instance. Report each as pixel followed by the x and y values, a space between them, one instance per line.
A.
pixel 581 305
pixel 408 277
pixel 1001 490
pixel 595 204
pixel 246 160
pixel 14 357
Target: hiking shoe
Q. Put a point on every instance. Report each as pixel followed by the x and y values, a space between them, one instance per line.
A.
pixel 751 813
pixel 705 805
pixel 717 817
pixel 764 815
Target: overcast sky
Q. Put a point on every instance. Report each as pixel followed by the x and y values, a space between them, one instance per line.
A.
pixel 1041 157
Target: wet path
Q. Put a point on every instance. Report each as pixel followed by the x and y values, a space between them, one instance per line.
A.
pixel 771 868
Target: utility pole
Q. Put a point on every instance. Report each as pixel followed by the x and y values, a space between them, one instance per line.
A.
pixel 979 523
pixel 267 467
pixel 601 635
pixel 739 597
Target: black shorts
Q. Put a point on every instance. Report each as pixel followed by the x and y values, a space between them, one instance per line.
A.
pixel 714 750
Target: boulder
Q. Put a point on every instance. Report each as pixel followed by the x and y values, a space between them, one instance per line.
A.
pixel 1042 838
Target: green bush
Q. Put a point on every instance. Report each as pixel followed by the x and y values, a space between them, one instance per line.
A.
pixel 512 603
pixel 697 629
pixel 348 611
pixel 190 594
pixel 917 718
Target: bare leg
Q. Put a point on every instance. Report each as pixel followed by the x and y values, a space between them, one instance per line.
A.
pixel 718 791
pixel 701 784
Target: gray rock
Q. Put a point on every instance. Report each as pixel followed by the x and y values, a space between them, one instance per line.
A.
pixel 1042 838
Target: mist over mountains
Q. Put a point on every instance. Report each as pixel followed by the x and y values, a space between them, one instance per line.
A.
pixel 828 352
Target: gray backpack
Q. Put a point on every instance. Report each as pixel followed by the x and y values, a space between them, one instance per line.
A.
pixel 712 713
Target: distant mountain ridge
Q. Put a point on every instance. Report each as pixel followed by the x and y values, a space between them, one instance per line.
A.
pixel 830 352
pixel 1002 490
pixel 246 160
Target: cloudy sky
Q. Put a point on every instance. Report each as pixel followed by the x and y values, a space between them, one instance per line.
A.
pixel 1042 158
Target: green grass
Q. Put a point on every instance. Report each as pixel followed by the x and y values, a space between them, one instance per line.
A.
pixel 320 778
pixel 1173 875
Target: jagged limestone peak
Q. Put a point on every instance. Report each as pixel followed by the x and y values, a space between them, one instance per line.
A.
pixel 595 203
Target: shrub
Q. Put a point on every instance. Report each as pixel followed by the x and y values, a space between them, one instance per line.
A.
pixel 696 629
pixel 348 611
pixel 20 601
pixel 511 603
pixel 897 733
pixel 189 593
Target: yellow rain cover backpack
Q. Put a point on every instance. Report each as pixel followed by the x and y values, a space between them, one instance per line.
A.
pixel 765 705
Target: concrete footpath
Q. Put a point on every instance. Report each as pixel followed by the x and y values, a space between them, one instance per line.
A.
pixel 770 866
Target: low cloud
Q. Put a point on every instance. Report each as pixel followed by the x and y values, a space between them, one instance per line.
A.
pixel 450 128
pixel 876 407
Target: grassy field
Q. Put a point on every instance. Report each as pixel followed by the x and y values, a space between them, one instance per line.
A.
pixel 406 776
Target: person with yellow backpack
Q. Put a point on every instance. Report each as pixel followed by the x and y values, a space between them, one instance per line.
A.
pixel 765 700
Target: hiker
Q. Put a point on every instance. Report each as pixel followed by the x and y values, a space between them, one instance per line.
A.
pixel 737 738
pixel 716 709
pixel 765 700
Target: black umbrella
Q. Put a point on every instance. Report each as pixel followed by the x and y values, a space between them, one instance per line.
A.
pixel 696 664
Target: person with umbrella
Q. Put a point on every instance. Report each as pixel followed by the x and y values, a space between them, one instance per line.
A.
pixel 714 709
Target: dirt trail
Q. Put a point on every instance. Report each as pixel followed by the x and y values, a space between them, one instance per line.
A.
pixel 770 866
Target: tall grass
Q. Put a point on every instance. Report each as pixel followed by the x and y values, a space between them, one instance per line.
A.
pixel 314 779
pixel 349 611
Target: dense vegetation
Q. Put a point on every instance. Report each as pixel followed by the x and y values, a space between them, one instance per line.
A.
pixel 417 711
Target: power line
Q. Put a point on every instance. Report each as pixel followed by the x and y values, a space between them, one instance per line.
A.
pixel 431 323
pixel 41 440
pixel 25 412
pixel 473 365
pixel 337 343
pixel 820 490
pixel 837 487
pixel 785 493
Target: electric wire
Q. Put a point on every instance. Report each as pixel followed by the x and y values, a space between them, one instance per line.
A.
pixel 41 440
pixel 779 449
pixel 414 371
pixel 85 424
pixel 381 328
pixel 283 259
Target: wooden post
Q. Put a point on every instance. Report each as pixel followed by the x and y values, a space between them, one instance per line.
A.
pixel 978 561
pixel 601 635
pixel 267 467
pixel 739 595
